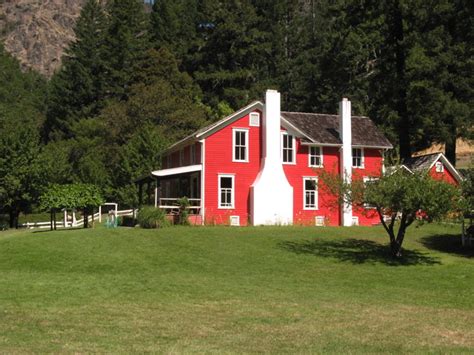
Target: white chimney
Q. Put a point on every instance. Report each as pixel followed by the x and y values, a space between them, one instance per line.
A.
pixel 271 193
pixel 345 133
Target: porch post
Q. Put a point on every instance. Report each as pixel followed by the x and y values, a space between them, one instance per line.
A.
pixel 157 184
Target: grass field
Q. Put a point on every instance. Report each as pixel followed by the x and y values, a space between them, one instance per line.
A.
pixel 235 290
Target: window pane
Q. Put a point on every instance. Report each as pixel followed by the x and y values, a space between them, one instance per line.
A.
pixel 226 182
pixel 242 138
pixel 310 185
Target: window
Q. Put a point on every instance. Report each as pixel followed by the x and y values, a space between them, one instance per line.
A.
pixel 226 191
pixel 240 145
pixel 254 119
pixel 357 158
pixel 315 156
pixel 439 167
pixel 192 155
pixel 287 148
pixel 310 193
pixel 168 161
pixel 369 180
pixel 181 157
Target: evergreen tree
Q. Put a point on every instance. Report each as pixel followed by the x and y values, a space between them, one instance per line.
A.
pixel 76 90
pixel 125 46
pixel 21 115
pixel 231 61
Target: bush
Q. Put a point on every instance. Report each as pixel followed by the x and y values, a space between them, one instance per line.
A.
pixel 151 217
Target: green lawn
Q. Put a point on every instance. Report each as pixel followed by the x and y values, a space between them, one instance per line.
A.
pixel 235 290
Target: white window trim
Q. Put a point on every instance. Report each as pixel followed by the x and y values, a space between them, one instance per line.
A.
pixel 192 154
pixel 362 159
pixel 309 156
pixel 247 146
pixel 250 119
pixel 219 176
pixel 439 167
pixel 316 194
pixel 283 133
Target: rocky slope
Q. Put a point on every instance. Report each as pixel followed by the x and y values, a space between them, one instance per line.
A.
pixel 37 31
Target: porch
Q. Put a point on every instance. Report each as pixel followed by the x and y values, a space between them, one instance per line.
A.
pixel 164 189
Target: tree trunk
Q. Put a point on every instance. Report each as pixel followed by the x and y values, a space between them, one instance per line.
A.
pixel 51 218
pixel 404 126
pixel 450 148
pixel 54 219
pixel 11 217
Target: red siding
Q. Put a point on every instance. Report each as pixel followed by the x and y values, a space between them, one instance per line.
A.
pixel 327 205
pixel 445 175
pixel 219 161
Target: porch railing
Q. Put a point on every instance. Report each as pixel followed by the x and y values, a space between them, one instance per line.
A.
pixel 171 204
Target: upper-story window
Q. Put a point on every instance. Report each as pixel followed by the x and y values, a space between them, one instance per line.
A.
pixel 241 145
pixel 357 158
pixel 192 154
pixel 254 119
pixel 439 167
pixel 287 148
pixel 315 158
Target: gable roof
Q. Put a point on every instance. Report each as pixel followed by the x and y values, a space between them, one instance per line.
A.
pixel 315 128
pixel 213 127
pixel 324 129
pixel 426 162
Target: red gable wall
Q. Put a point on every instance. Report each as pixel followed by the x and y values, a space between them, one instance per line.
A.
pixel 218 160
pixel 446 175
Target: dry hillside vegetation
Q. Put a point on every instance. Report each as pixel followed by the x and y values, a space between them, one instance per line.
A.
pixel 37 31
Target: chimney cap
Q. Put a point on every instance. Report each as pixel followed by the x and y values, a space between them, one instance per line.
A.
pixel 345 99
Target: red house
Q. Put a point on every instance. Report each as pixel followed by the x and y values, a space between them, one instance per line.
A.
pixel 261 166
pixel 437 165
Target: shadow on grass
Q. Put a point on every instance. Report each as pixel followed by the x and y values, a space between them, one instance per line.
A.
pixel 357 251
pixel 447 243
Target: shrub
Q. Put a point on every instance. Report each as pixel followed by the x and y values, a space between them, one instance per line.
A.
pixel 127 221
pixel 183 211
pixel 151 217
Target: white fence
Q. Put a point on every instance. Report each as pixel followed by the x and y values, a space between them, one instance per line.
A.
pixel 69 220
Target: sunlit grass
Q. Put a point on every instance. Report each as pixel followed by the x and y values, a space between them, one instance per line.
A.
pixel 221 289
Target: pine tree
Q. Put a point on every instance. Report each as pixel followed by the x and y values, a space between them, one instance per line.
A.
pixel 76 90
pixel 125 46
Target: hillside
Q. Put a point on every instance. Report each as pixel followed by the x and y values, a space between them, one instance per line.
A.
pixel 37 31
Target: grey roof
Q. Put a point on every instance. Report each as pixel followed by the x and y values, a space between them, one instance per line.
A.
pixel 421 163
pixel 324 129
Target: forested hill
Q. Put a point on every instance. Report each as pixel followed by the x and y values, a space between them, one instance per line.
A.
pixel 134 78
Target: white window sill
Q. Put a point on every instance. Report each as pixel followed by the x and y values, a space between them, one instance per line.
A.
pixel 225 208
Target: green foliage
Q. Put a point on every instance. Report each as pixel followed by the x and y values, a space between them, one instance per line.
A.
pixel 75 92
pixel 399 196
pixel 468 190
pixel 183 211
pixel 151 217
pixel 126 42
pixel 72 196
pixel 21 116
